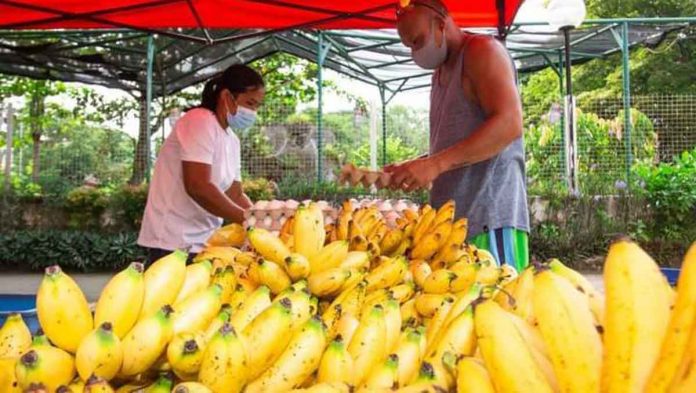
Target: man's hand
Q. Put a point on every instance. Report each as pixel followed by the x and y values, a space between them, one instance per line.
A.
pixel 414 174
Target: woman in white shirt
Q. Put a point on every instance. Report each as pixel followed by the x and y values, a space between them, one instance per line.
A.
pixel 197 177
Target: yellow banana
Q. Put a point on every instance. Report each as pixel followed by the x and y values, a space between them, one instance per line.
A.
pixel 223 317
pixel 425 382
pixel 227 280
pixel 437 322
pixel 582 284
pixel 675 343
pixel 637 314
pixel 77 386
pixel 96 384
pixel 62 309
pixel 308 231
pixel 368 344
pixel 224 254
pixel 191 387
pixel 523 306
pixel 445 212
pixel 287 227
pixel 463 300
pixel 405 245
pixel 356 260
pixel 336 364
pixel 420 271
pixel 457 340
pixel 448 252
pixel 299 360
pixel 266 336
pixel 240 294
pixel 298 266
pixel 346 326
pixel 439 281
pixel 505 352
pixel 121 299
pixel 349 301
pixel 15 337
pixel 409 315
pixel 231 235
pixel 329 256
pixel 344 217
pixel 45 365
pixel 329 282
pixel 392 323
pixel 423 225
pixel 224 367
pixel 472 377
pixel 567 326
pixel 8 378
pixel 385 375
pixel 198 276
pixel 134 387
pixel 403 292
pixel 143 345
pixel 268 245
pixel 391 241
pixel 410 355
pixel 197 311
pixel 301 307
pixel 318 214
pixel 255 304
pixel 100 353
pixel 272 275
pixel 245 258
pixel 537 348
pixel 163 280
pixel 427 303
pixel 387 274
pixel 358 243
pixel 427 246
pixel 185 354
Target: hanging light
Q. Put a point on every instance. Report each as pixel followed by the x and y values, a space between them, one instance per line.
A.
pixel 565 13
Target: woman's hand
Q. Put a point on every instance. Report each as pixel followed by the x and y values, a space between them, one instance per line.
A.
pixel 414 174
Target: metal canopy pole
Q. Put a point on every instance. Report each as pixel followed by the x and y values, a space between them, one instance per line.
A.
pixel 384 124
pixel 323 50
pixel 148 103
pixel 9 145
pixel 627 100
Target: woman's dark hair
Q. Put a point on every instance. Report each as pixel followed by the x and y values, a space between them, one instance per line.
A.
pixel 237 78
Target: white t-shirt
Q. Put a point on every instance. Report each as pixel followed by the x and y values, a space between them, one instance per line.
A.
pixel 172 219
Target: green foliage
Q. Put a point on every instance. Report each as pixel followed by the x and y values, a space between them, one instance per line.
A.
pixel 259 189
pixel 397 151
pixel 670 189
pixel 128 204
pixel 601 151
pixel 85 206
pixel 73 250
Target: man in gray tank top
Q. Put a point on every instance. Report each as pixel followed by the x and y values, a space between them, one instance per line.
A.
pixel 476 153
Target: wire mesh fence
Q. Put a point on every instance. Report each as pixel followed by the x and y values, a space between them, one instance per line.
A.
pixel 661 127
pixel 286 146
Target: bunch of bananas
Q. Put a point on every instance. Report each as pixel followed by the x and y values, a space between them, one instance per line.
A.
pixel 363 307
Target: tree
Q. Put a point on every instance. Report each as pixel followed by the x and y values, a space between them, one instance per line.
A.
pixel 34 93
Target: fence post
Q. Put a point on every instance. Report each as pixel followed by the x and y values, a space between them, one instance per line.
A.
pixel 8 147
pixel 148 104
pixel 627 101
pixel 321 55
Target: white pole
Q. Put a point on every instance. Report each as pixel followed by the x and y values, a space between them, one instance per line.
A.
pixel 8 153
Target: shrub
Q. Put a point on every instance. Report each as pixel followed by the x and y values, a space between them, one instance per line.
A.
pixel 72 250
pixel 128 204
pixel 259 189
pixel 85 206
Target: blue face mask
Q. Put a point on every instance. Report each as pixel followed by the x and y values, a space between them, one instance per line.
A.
pixel 243 119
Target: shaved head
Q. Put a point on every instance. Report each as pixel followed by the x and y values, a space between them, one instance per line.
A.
pixel 416 19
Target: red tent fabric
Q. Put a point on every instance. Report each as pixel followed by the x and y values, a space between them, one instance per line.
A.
pixel 236 14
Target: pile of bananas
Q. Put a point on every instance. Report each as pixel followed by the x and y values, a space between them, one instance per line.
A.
pixel 359 306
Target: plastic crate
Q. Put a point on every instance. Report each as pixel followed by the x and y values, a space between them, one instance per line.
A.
pixel 22 304
pixel 671 273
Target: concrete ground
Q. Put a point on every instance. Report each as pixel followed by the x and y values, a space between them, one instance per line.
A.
pixel 92 283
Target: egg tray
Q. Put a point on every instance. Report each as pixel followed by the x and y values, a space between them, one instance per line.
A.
pixel 353 176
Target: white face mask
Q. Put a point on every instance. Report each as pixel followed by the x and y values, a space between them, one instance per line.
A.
pixel 430 56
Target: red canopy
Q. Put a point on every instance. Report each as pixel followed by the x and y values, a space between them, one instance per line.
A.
pixel 234 14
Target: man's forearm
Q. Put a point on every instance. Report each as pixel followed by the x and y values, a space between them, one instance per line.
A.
pixel 492 137
pixel 213 200
pixel 244 201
